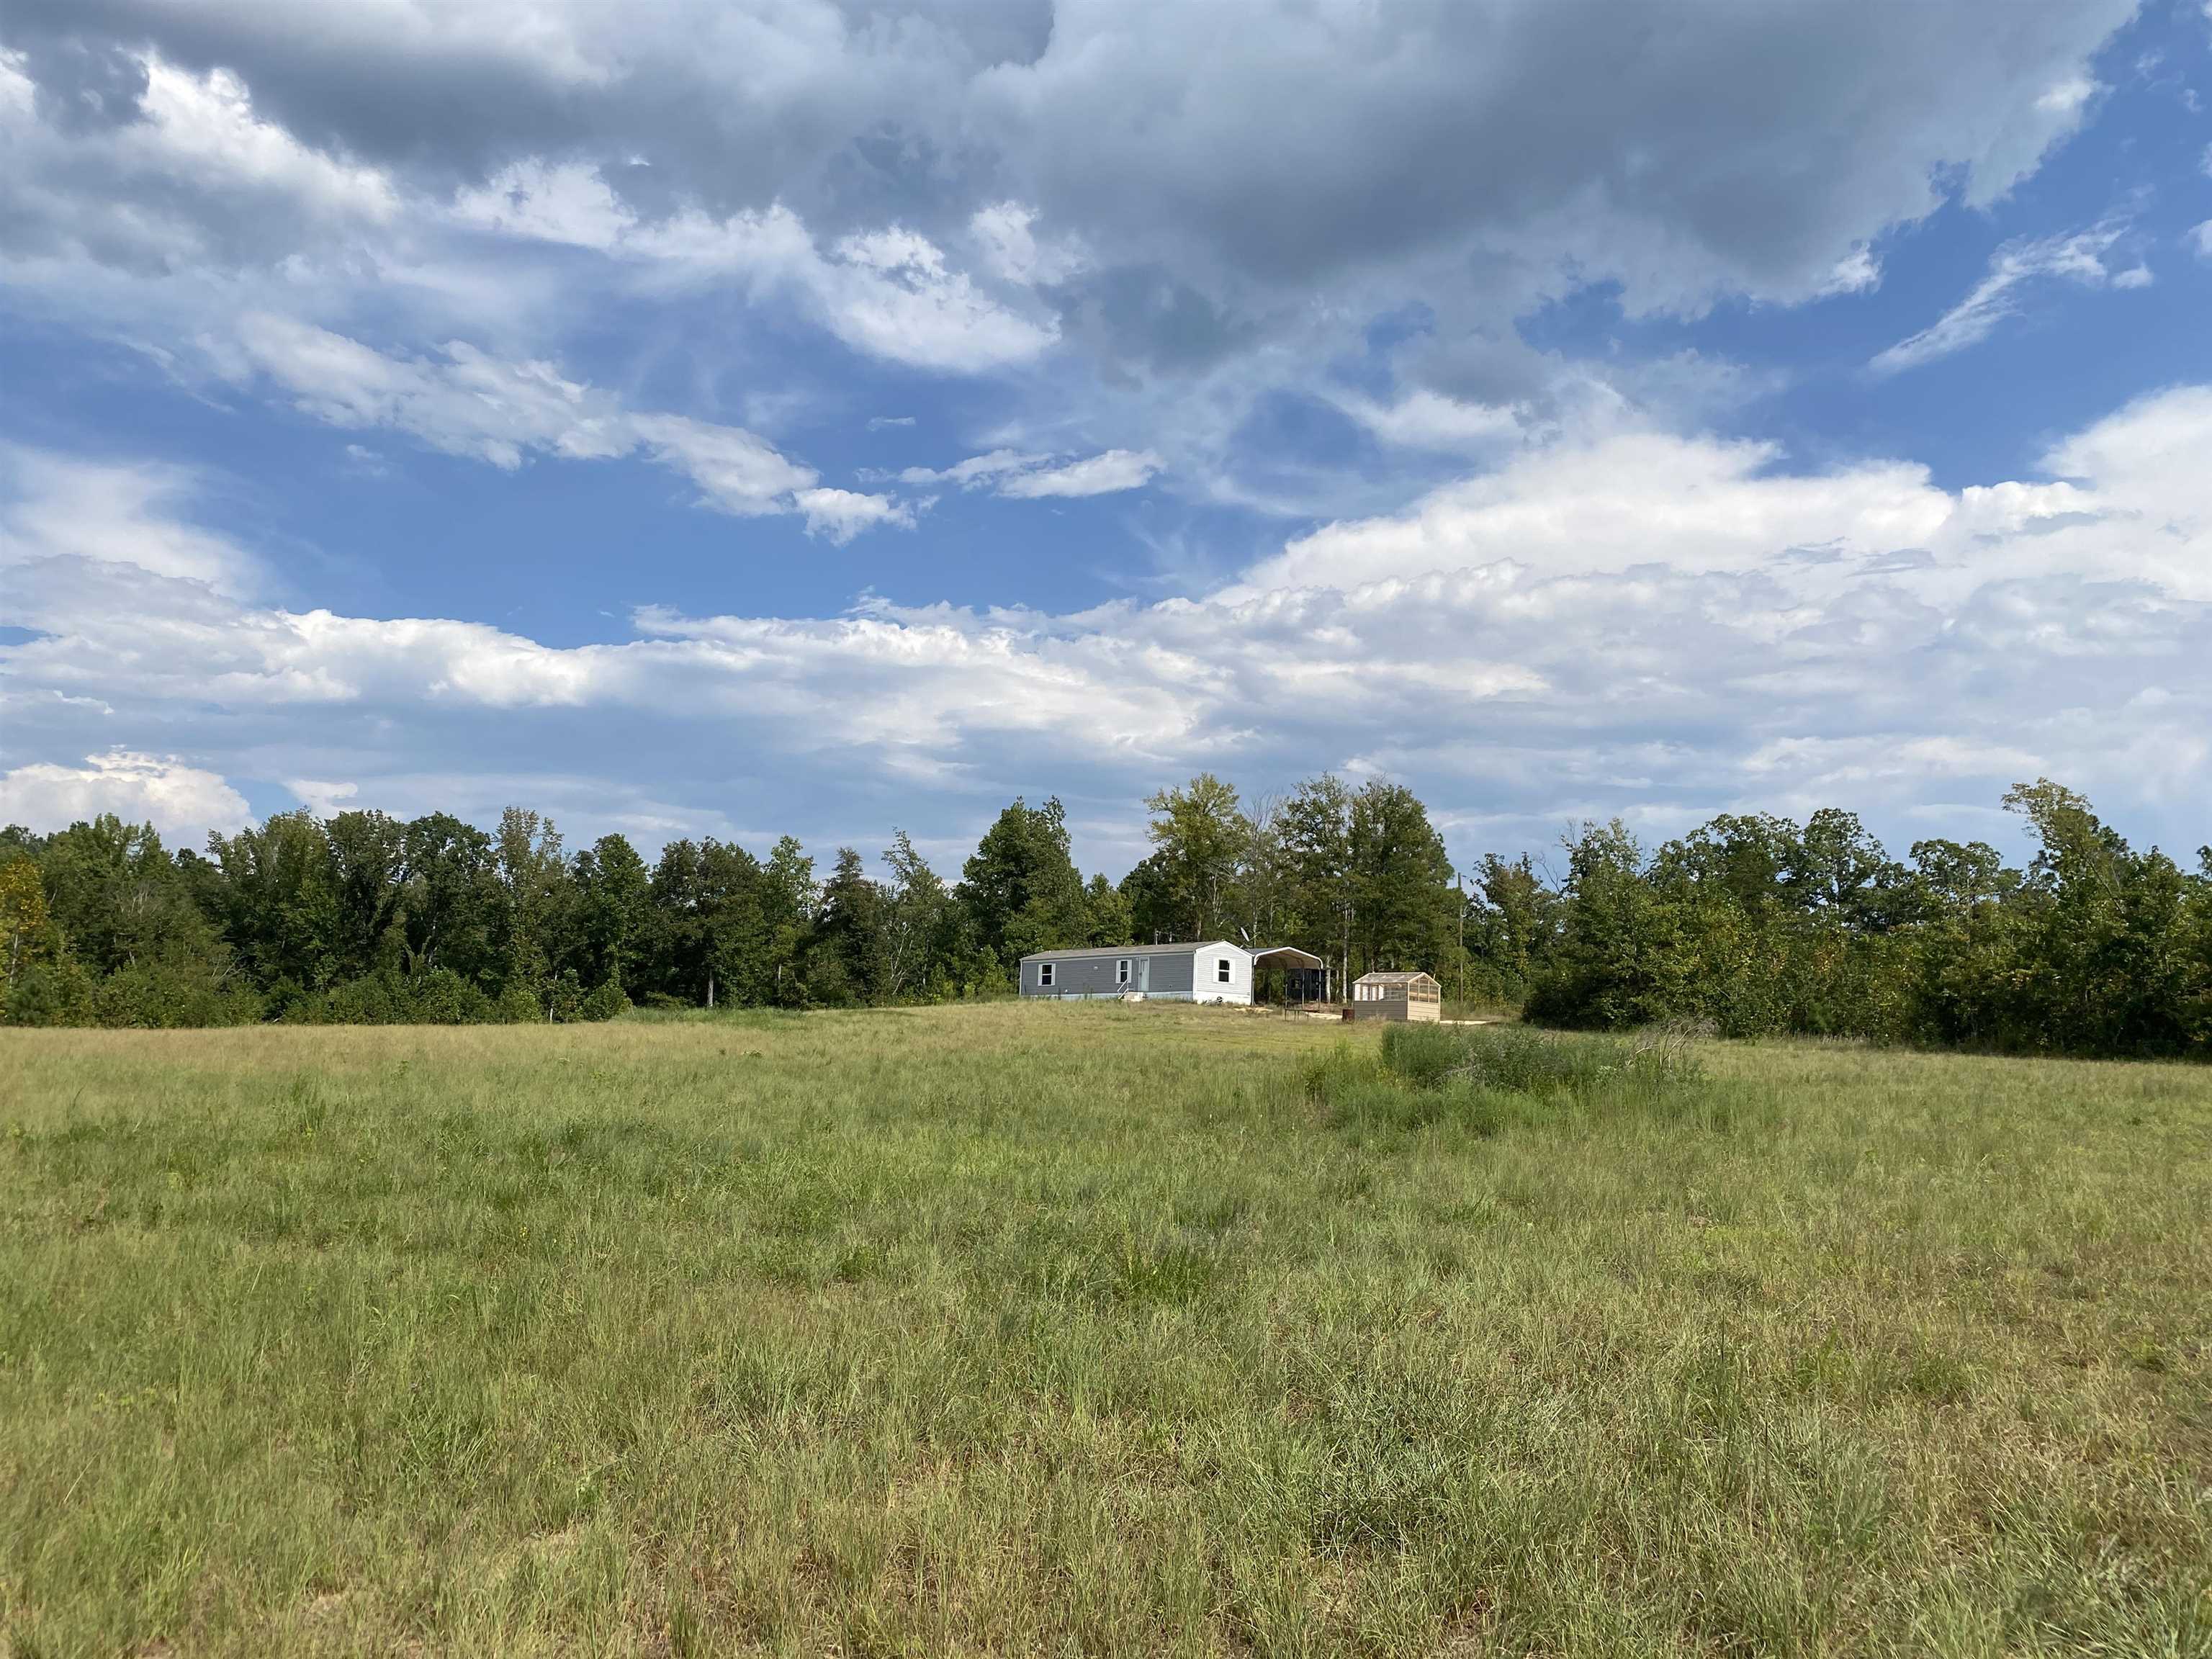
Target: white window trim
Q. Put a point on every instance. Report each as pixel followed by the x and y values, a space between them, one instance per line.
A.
pixel 1221 973
pixel 1044 976
pixel 1121 971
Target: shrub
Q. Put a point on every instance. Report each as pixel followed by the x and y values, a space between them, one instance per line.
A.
pixel 518 1005
pixel 604 1001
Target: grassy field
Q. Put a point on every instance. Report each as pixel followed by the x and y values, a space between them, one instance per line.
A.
pixel 1051 1329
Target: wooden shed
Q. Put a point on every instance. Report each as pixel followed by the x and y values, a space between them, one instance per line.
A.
pixel 1397 996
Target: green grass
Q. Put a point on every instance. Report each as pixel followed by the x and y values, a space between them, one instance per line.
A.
pixel 1058 1329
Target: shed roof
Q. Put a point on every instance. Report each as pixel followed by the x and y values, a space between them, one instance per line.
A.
pixel 1290 950
pixel 1393 979
pixel 1129 950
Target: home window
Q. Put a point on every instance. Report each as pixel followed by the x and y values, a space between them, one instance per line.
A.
pixel 1221 971
pixel 1044 974
pixel 1121 971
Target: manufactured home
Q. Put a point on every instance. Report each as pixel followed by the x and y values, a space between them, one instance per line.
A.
pixel 1212 971
pixel 1397 996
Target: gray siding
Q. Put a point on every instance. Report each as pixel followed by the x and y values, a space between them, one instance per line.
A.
pixel 1171 973
pixel 1174 973
pixel 1154 970
pixel 1085 977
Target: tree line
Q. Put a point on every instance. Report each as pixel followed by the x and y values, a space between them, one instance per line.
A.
pixel 1751 922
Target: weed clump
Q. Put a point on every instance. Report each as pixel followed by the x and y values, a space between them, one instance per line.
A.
pixel 1485 1080
pixel 1520 1060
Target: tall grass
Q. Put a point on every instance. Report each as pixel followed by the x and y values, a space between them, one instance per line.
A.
pixel 1057 1329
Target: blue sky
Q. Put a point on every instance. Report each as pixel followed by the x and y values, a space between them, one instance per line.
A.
pixel 794 415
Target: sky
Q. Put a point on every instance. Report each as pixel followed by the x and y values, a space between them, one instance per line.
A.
pixel 831 418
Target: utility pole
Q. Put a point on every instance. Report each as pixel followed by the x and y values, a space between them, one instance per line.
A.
pixel 1462 874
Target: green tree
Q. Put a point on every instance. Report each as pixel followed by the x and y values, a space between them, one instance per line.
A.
pixel 844 957
pixel 279 904
pixel 1315 839
pixel 1200 837
pixel 1020 889
pixel 615 916
pixel 1401 880
pixel 919 922
pixel 1106 914
pixel 1613 964
pixel 367 854
pixel 1512 921
pixel 536 894
pixel 451 900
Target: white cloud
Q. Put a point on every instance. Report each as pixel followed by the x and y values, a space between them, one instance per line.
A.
pixel 1012 250
pixel 2201 238
pixel 1105 474
pixel 1857 272
pixel 322 798
pixel 1023 476
pixel 2134 276
pixel 60 507
pixel 1423 419
pixel 468 402
pixel 182 802
pixel 1632 500
pixel 889 293
pixel 976 470
pixel 191 171
pixel 567 202
pixel 841 514
pixel 201 124
pixel 2075 258
pixel 1614 625
pixel 2067 99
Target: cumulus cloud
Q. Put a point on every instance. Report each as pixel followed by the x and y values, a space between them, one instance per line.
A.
pixel 887 292
pixel 810 150
pixel 1147 225
pixel 182 802
pixel 2077 258
pixel 1005 231
pixel 130 512
pixel 841 514
pixel 1655 624
pixel 161 164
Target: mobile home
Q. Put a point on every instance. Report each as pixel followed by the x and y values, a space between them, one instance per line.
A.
pixel 1214 971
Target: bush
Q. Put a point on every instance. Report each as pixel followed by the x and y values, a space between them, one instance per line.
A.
pixel 604 1001
pixel 165 996
pixel 564 998
pixel 518 1005
pixel 50 993
pixel 440 997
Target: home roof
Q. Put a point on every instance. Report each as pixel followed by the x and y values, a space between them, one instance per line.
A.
pixel 1393 979
pixel 1128 951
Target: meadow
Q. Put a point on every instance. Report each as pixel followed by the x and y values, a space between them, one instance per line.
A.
pixel 1060 1330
